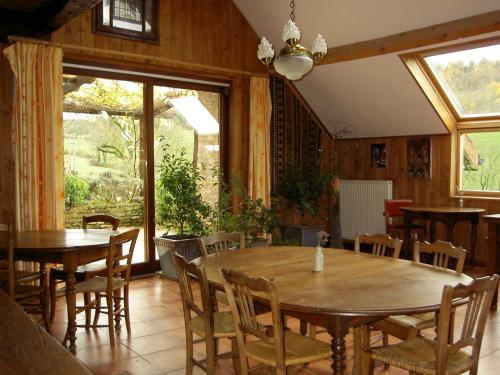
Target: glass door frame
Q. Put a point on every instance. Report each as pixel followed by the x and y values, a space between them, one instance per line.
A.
pixel 150 265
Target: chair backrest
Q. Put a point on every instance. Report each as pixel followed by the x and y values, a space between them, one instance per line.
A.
pixel 221 241
pixel 392 210
pixel 442 251
pixel 7 252
pixel 241 290
pixel 187 273
pixel 479 294
pixel 380 243
pixel 99 220
pixel 119 262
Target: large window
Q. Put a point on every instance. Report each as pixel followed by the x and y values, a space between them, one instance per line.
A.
pixel 462 82
pixel 114 124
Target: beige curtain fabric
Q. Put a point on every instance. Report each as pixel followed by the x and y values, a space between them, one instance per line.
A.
pixel 259 168
pixel 38 136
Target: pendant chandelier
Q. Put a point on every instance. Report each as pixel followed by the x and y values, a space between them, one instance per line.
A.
pixel 294 60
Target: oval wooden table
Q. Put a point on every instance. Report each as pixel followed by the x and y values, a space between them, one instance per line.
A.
pixel 449 216
pixel 71 248
pixel 353 289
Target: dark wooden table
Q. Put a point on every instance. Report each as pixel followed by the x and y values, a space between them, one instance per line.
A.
pixel 449 216
pixel 492 258
pixel 353 289
pixel 71 248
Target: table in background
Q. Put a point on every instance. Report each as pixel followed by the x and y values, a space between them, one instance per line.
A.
pixel 449 216
pixel 71 248
pixel 492 258
pixel 353 289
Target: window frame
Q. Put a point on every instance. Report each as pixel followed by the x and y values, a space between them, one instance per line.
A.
pixel 144 36
pixel 457 125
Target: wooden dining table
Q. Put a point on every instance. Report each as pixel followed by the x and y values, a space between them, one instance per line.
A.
pixel 449 216
pixel 69 247
pixel 353 289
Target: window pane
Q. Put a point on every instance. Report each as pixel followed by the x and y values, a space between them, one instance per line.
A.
pixel 189 120
pixel 104 152
pixel 128 14
pixel 470 79
pixel 481 161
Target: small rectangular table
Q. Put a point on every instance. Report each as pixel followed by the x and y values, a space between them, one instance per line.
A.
pixel 449 216
pixel 492 260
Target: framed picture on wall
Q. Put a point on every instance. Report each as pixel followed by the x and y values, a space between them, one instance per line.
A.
pixel 419 157
pixel 378 155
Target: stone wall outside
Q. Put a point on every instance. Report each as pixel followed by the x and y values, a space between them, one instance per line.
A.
pixel 130 213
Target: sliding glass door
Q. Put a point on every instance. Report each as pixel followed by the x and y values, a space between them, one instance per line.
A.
pixel 113 126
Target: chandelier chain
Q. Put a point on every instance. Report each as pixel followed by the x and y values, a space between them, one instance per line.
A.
pixel 292 10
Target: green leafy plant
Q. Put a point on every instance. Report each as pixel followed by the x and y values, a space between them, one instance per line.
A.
pixel 251 216
pixel 180 205
pixel 76 190
pixel 302 188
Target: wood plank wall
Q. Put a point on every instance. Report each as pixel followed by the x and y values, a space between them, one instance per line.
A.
pixel 354 163
pixel 211 33
pixel 6 155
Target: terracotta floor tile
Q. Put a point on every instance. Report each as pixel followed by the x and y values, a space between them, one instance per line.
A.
pixel 153 343
pixel 134 366
pixel 168 360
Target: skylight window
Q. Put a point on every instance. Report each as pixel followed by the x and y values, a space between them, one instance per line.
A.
pixel 470 79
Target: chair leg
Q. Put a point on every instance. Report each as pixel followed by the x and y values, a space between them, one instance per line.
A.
pixel 44 305
pixel 117 302
pixel 127 315
pixel 52 288
pixel 109 301
pixel 97 309
pixel 210 352
pixel 236 358
pixel 86 301
pixel 189 352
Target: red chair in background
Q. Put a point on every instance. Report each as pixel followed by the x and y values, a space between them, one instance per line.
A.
pixel 394 220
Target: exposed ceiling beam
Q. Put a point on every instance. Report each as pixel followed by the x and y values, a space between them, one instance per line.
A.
pixel 45 19
pixel 443 32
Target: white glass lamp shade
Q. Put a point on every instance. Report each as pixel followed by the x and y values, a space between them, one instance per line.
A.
pixel 265 50
pixel 290 31
pixel 319 45
pixel 293 67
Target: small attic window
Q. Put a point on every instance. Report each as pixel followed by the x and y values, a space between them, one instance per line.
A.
pixel 136 19
pixel 469 79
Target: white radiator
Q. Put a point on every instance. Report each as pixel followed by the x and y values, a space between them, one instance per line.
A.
pixel 362 206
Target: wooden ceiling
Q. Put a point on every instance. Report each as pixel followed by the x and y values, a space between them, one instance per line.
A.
pixel 38 18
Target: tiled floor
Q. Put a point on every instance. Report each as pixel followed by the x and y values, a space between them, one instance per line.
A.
pixel 156 345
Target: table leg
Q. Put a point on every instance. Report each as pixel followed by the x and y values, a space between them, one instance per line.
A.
pixel 473 237
pixel 43 295
pixel 407 235
pixel 338 329
pixel 491 257
pixel 70 268
pixel 432 234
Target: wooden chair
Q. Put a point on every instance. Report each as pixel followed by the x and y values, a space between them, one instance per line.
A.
pixel 22 286
pixel 222 241
pixel 117 271
pixel 405 327
pixel 381 243
pixel 394 223
pixel 421 355
pixel 84 272
pixel 274 346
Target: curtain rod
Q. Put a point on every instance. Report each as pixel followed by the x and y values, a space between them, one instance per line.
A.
pixel 183 64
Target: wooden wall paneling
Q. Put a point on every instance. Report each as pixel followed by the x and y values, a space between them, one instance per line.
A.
pixel 354 163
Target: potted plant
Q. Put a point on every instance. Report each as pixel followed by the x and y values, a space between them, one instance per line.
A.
pixel 301 190
pixel 252 217
pixel 181 209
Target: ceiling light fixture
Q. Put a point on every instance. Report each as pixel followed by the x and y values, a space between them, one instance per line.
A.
pixel 294 60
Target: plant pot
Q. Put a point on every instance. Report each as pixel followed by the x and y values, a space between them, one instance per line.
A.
pixel 304 234
pixel 187 247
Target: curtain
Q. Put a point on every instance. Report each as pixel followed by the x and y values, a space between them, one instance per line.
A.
pixel 259 169
pixel 38 136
